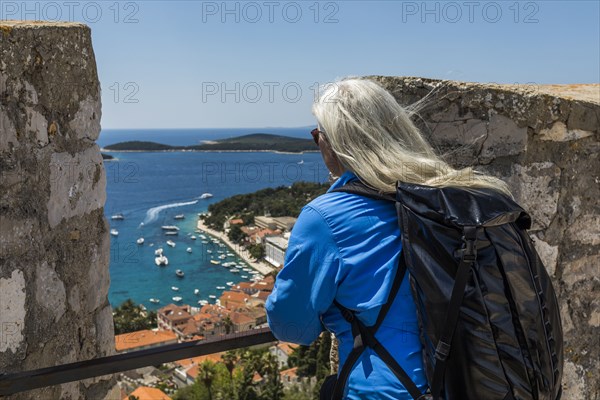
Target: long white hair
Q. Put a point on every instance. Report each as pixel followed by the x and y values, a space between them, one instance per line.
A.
pixel 375 138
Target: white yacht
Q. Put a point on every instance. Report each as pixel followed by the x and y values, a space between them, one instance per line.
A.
pixel 161 260
pixel 169 228
pixel 175 288
pixel 177 299
pixel 171 233
pixel 189 249
pixel 114 232
pixel 179 273
pixel 212 296
pixel 196 291
pixel 206 195
pixel 155 301
pixel 171 243
pixel 193 237
pixel 202 302
pixel 158 252
pixel 117 217
pixel 140 241
pixel 220 287
pixel 229 283
pixel 179 216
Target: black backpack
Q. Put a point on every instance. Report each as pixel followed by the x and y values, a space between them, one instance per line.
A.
pixel 488 315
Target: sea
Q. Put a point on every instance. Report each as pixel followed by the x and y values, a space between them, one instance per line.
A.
pixel 150 188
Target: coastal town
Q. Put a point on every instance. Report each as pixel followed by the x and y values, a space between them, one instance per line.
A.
pixel 239 308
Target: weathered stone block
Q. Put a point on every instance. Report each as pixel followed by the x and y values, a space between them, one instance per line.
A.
pixel 75 187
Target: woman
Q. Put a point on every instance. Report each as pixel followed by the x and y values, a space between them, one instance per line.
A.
pixel 346 247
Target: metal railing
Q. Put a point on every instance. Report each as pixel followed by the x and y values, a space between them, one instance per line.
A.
pixel 12 383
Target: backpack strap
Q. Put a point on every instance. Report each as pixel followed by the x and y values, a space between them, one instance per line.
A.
pixel 469 255
pixel 365 337
pixel 357 187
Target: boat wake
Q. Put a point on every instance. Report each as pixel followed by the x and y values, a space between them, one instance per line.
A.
pixel 152 214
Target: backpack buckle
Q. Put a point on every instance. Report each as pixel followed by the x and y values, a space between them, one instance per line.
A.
pixel 469 253
pixel 442 350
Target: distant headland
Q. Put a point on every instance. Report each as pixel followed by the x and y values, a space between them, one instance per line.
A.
pixel 252 142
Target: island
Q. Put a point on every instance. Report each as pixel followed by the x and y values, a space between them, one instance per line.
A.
pixel 251 142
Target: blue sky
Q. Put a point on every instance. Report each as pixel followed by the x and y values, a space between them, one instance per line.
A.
pixel 205 64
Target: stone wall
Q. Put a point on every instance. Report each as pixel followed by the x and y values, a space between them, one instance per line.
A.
pixel 54 241
pixel 543 140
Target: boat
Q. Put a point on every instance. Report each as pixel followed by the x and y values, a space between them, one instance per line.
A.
pixel 205 242
pixel 254 272
pixel 300 162
pixel 177 299
pixel 117 217
pixel 155 301
pixel 209 251
pixel 229 283
pixel 161 260
pixel 114 232
pixel 246 269
pixel 202 237
pixel 196 291
pixel 189 249
pixel 193 237
pixel 206 195
pixel 169 228
pixel 171 233
pixel 158 252
pixel 171 243
pixel 179 216
pixel 220 287
pixel 234 270
pixel 215 262
pixel 222 256
pixel 179 273
pixel 175 288
pixel 244 276
pixel 212 296
pixel 230 255
pixel 202 302
pixel 140 241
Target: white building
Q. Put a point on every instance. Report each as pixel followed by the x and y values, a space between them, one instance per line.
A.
pixel 275 247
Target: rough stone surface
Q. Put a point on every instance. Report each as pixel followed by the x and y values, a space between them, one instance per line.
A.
pixel 543 141
pixel 12 312
pixel 54 240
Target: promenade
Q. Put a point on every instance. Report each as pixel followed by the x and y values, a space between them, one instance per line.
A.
pixel 244 254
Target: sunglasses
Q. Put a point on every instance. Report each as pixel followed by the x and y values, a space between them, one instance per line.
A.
pixel 315 134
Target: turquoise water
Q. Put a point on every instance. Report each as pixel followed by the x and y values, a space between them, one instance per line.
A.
pixel 149 189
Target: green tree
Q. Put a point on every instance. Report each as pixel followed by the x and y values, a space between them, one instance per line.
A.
pixel 236 235
pixel 228 324
pixel 273 388
pixel 206 374
pixel 257 251
pixel 129 317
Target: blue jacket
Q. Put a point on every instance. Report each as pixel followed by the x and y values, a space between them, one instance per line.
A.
pixel 346 247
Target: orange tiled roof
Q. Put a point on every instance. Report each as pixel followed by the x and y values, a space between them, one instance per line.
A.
pixel 148 393
pixel 145 337
pixel 232 299
pixel 216 358
pixel 256 377
pixel 292 372
pixel 237 221
pixel 263 294
pixel 239 318
pixel 287 347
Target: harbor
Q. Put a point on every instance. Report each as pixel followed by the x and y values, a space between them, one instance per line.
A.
pixel 237 249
